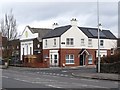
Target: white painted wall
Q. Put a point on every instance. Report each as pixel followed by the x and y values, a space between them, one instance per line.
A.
pixel 50 43
pixel 77 34
pixel 24 45
pixel 30 34
pixel 108 44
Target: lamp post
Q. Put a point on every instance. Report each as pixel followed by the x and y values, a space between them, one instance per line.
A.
pixel 98 36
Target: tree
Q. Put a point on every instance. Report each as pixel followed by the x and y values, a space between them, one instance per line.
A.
pixel 8 26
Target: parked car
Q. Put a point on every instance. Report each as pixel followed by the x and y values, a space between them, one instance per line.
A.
pixel 3 64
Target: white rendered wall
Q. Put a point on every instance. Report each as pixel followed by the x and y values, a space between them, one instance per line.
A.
pixel 50 43
pixel 30 34
pixel 24 45
pixel 75 33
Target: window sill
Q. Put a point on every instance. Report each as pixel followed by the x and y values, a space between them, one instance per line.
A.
pixel 82 45
pixel 90 46
pixel 69 63
pixel 55 46
pixel 69 45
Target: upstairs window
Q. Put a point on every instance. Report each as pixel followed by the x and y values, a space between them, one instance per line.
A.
pixel 54 42
pixel 101 43
pixel 82 42
pixel 90 42
pixel 70 41
pixel 45 43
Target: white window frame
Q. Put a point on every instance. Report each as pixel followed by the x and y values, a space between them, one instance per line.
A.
pixel 70 41
pixel 82 42
pixel 55 43
pixel 69 60
pixel 90 59
pixel 90 42
pixel 101 43
pixel 46 42
pixel 112 51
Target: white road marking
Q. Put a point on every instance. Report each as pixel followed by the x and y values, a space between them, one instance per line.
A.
pixel 64 71
pixel 5 76
pixel 54 86
pixel 38 72
pixel 90 80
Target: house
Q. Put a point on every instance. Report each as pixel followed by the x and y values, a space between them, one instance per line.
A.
pixel 3 46
pixel 31 42
pixel 72 45
pixel 14 51
pixel 0 45
pixel 118 45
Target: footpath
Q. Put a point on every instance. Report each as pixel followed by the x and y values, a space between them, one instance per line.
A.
pixel 100 76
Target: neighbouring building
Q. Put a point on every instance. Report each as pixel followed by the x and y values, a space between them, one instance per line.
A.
pixel 72 45
pixel 0 45
pixel 9 49
pixel 3 46
pixel 31 42
pixel 14 51
pixel 118 45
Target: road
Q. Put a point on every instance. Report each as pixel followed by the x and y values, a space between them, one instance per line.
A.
pixel 18 78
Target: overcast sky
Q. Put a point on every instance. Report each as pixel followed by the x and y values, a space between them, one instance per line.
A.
pixel 44 14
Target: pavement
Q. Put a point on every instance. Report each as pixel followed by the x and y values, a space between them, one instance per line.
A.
pixel 100 76
pixel 77 72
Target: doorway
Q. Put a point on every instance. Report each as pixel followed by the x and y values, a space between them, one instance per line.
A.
pixel 54 59
pixel 82 60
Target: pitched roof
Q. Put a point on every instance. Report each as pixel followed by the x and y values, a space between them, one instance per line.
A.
pixel 89 32
pixel 57 31
pixel 41 31
pixel 93 33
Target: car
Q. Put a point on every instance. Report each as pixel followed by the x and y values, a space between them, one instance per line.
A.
pixel 3 65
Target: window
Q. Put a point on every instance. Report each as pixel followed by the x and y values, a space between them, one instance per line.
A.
pixel 82 42
pixel 27 49
pixel 23 51
pixel 112 51
pixel 45 43
pixel 89 42
pixel 101 42
pixel 69 59
pixel 54 42
pixel 70 41
pixel 30 50
pixel 90 59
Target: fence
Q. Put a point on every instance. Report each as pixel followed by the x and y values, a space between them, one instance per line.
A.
pixel 110 67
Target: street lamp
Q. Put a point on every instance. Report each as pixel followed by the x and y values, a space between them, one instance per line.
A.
pixel 98 36
pixel 99 29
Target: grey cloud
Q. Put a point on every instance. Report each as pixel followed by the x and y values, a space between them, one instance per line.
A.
pixel 26 12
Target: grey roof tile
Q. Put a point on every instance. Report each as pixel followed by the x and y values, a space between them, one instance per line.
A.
pixel 57 31
pixel 89 32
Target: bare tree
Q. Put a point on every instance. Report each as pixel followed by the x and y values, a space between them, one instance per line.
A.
pixel 8 26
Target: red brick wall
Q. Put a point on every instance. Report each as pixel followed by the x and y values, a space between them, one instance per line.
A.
pixel 75 52
pixel 44 54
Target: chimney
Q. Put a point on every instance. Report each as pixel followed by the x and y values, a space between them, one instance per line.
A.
pixel 74 22
pixel 55 25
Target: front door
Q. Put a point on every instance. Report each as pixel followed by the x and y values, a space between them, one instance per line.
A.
pixel 54 59
pixel 82 60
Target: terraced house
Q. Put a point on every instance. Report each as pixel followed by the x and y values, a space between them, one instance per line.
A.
pixel 72 45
